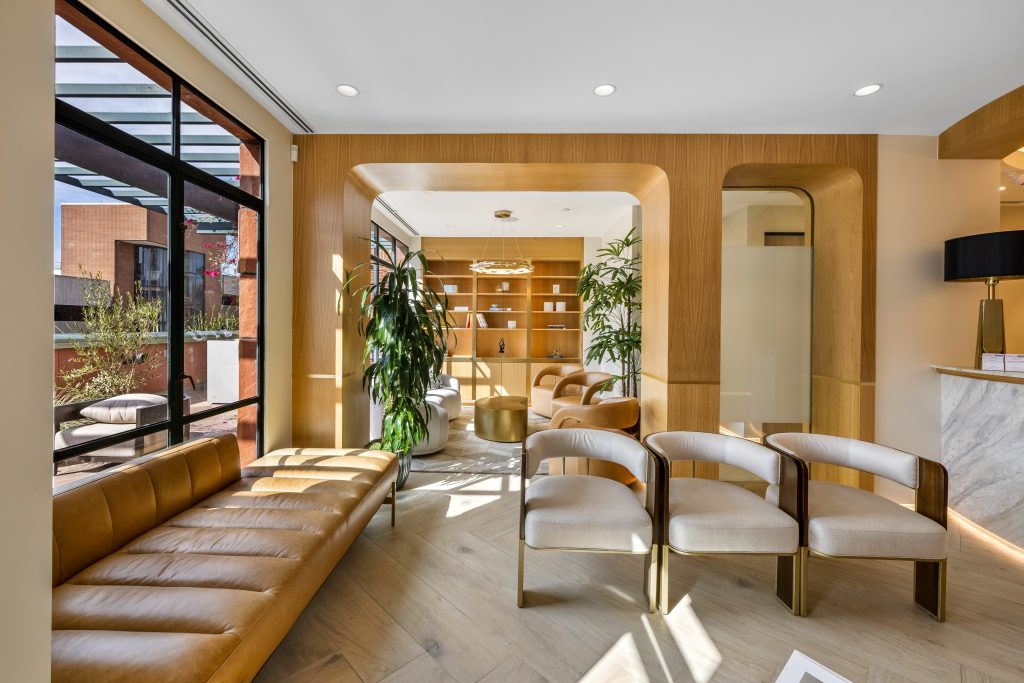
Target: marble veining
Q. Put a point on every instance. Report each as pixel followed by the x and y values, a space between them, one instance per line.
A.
pixel 983 450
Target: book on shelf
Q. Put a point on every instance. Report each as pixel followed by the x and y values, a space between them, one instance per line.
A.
pixel 481 321
pixel 556 327
pixel 469 321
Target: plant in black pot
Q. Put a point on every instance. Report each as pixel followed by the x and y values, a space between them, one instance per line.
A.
pixel 405 325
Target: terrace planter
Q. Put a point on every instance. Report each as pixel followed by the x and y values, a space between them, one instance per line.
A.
pixel 222 370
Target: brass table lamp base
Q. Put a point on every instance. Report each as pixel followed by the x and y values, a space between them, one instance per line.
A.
pixel 991 333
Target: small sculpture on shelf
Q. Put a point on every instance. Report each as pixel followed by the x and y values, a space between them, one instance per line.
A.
pixel 555 354
pixel 501 345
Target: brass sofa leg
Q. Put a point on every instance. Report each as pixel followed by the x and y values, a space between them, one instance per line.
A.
pixel 519 589
pixel 651 578
pixel 930 587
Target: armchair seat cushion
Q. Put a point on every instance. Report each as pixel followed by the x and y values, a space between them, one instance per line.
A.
pixel 122 409
pixel 567 401
pixel 849 522
pixel 582 512
pixel 540 398
pixel 707 516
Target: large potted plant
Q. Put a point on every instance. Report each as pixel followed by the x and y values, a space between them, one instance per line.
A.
pixel 405 326
pixel 610 289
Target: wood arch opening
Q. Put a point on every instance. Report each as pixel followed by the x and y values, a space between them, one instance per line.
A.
pixel 842 308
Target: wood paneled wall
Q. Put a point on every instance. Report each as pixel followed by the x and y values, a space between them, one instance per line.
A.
pixel 678 180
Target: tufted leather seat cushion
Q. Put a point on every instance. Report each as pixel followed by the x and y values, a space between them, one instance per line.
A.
pixel 708 516
pixel 181 566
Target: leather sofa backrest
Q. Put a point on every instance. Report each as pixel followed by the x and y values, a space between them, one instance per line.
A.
pixel 93 518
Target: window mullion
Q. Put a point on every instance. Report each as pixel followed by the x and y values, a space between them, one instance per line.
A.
pixel 176 312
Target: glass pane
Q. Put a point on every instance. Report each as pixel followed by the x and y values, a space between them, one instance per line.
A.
pixel 221 301
pixel 227 423
pixel 214 143
pixel 766 313
pixel 100 75
pixel 110 290
pixel 73 469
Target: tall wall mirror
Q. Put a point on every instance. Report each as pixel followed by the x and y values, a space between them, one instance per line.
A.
pixel 767 257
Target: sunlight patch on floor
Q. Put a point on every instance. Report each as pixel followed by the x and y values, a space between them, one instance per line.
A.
pixel 622 662
pixel 459 504
pixel 693 641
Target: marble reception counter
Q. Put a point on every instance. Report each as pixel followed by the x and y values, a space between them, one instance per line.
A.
pixel 983 447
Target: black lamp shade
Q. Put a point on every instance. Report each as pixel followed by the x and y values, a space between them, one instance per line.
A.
pixel 991 254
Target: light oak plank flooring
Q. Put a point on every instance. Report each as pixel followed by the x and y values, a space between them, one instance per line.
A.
pixel 433 599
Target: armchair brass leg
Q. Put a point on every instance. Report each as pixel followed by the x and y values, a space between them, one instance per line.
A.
pixel 651 578
pixel 519 590
pixel 787 581
pixel 663 580
pixel 801 571
pixel 394 501
pixel 930 587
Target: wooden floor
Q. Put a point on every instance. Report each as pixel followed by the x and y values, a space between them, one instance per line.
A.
pixel 433 599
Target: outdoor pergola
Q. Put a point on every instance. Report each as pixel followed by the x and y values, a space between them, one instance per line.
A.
pixel 127 99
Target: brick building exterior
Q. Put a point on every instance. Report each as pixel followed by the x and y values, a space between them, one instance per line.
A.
pixel 104 239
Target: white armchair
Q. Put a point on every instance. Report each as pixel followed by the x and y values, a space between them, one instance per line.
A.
pixel 589 513
pixel 447 394
pixel 707 517
pixel 842 521
pixel 437 428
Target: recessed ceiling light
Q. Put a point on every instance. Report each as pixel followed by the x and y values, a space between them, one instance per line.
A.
pixel 1002 188
pixel 867 90
pixel 559 226
pixel 604 90
pixel 347 90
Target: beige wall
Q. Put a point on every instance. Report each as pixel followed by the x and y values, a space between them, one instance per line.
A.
pixel 140 24
pixel 922 320
pixel 26 319
pixel 1011 218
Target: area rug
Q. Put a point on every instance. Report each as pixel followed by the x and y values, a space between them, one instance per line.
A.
pixel 467 453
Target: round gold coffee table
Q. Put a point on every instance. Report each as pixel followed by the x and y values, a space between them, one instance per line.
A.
pixel 500 418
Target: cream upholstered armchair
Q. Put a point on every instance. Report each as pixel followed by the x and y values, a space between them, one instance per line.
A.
pixel 544 384
pixel 589 514
pixel 579 389
pixel 437 427
pixel 620 414
pixel 446 392
pixel 709 517
pixel 842 521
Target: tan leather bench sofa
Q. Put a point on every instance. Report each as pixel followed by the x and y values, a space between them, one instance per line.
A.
pixel 182 566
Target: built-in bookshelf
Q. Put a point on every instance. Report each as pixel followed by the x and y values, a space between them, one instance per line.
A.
pixel 483 306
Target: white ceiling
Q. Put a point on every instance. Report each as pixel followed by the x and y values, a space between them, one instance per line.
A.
pixel 697 66
pixel 471 214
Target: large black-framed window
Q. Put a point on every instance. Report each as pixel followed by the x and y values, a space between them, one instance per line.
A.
pixel 158 261
pixel 396 248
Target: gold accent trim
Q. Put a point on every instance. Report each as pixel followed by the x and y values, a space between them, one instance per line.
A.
pixel 798 568
pixel 980 375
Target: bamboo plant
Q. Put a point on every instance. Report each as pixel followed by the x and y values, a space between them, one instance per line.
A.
pixel 610 288
pixel 405 325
